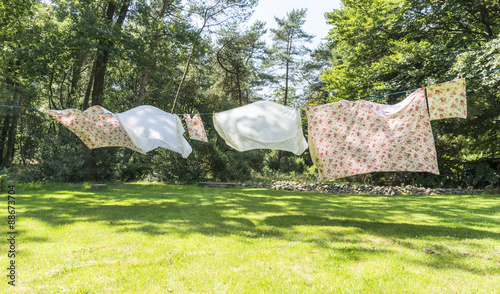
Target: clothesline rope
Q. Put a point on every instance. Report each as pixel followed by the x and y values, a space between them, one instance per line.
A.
pixel 369 98
pixel 403 92
pixel 22 107
pixel 412 90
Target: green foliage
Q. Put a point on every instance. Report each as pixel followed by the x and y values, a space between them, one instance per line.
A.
pixel 480 174
pixel 170 167
pixel 375 47
pixel 134 171
pixel 62 157
pixel 5 180
pixel 230 167
pixel 289 162
pixel 254 159
pixel 283 57
pixel 238 71
pixel 380 47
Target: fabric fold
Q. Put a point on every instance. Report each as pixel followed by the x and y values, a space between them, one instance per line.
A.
pixel 447 100
pixel 262 125
pixel 150 128
pixel 195 127
pixel 96 127
pixel 348 138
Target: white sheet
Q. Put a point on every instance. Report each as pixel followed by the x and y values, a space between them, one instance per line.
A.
pixel 150 128
pixel 262 125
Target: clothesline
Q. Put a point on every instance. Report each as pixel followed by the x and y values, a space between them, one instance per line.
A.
pixel 402 92
pixel 368 98
pixel 345 138
pixel 413 90
pixel 22 107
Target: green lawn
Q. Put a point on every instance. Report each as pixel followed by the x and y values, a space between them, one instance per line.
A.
pixel 155 238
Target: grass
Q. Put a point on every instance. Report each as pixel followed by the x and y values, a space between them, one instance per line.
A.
pixel 155 238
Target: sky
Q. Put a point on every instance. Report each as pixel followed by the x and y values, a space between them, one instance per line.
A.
pixel 315 20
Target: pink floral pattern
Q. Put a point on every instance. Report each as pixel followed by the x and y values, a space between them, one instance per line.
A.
pixel 96 127
pixel 447 100
pixel 195 128
pixel 349 138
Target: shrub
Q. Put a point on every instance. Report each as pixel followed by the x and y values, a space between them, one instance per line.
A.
pixel 289 162
pixel 171 167
pixel 4 179
pixel 480 175
pixel 133 171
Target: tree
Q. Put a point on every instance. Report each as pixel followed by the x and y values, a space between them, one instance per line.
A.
pixel 111 31
pixel 364 33
pixel 237 56
pixel 288 45
pixel 380 47
pixel 13 83
pixel 158 38
pixel 211 14
pixel 315 89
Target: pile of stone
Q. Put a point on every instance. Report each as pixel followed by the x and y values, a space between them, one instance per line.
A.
pixel 347 188
pixel 253 185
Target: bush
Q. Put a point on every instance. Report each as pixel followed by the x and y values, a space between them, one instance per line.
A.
pixel 230 166
pixel 5 180
pixel 480 175
pixel 171 167
pixel 130 172
pixel 254 159
pixel 289 162
pixel 62 157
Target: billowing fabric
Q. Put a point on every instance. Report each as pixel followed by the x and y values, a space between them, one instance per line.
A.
pixel 349 138
pixel 150 128
pixel 96 127
pixel 447 100
pixel 195 128
pixel 262 125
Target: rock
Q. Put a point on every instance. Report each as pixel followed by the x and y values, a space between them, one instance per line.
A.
pixel 347 188
pixel 98 187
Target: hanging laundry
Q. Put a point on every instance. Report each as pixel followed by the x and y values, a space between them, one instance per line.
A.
pixel 262 125
pixel 349 138
pixel 150 128
pixel 195 128
pixel 447 100
pixel 96 127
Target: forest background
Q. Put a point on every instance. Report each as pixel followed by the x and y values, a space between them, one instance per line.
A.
pixel 204 56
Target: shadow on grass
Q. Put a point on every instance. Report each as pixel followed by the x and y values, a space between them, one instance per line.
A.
pixel 191 209
pixel 253 213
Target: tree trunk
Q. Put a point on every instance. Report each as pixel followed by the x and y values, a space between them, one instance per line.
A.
pixel 89 87
pixel 98 86
pixel 90 165
pixel 146 74
pixel 9 128
pixel 238 82
pixel 142 90
pixel 75 78
pixel 61 90
pixel 3 135
pixel 183 78
pixel 188 63
pixel 51 92
pixel 485 18
pixel 285 102
pixel 9 155
pixel 102 60
pixel 105 47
